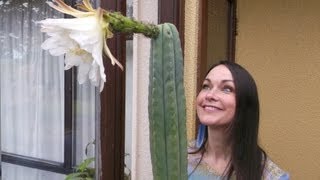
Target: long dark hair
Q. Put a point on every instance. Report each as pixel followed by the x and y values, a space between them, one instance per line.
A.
pixel 247 158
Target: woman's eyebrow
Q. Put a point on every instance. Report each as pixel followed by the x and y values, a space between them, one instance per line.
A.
pixel 227 80
pixel 223 81
pixel 207 80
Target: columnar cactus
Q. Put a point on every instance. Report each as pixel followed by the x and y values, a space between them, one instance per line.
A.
pixel 167 112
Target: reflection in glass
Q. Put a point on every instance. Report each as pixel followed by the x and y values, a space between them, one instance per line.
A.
pixel 32 84
pixel 32 95
pixel 31 173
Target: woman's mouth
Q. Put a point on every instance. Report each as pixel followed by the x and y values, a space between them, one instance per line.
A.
pixel 211 108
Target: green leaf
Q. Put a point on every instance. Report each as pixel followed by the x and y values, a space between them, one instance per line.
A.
pixel 84 165
pixel 75 176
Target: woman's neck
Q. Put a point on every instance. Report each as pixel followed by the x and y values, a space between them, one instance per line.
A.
pixel 218 147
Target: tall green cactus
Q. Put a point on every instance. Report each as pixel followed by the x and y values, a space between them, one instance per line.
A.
pixel 167 112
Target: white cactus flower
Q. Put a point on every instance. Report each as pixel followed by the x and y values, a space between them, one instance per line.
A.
pixel 82 39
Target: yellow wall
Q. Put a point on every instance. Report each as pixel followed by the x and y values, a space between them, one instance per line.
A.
pixel 190 61
pixel 279 43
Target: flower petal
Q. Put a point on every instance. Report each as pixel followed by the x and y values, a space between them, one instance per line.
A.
pixel 94 75
pixel 83 71
pixel 64 8
pixel 86 39
pixel 80 24
pixel 71 60
pixel 112 58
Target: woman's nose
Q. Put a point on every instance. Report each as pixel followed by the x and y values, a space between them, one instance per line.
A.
pixel 212 95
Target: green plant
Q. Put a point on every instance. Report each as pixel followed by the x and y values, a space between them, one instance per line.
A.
pixel 83 171
pixel 167 113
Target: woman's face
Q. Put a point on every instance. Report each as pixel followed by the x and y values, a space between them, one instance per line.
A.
pixel 216 102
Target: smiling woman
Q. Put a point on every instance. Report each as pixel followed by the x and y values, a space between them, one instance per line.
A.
pixel 228 108
pixel 216 101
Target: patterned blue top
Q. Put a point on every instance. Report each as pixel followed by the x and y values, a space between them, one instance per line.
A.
pixel 204 172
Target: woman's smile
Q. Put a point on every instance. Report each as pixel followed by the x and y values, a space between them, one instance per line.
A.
pixel 211 108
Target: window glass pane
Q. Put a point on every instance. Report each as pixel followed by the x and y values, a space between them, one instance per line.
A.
pixel 129 8
pixel 128 105
pixel 31 174
pixel 32 83
pixel 86 104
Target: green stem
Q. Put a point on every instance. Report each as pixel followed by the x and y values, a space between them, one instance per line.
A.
pixel 123 24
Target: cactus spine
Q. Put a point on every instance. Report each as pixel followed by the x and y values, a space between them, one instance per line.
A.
pixel 167 116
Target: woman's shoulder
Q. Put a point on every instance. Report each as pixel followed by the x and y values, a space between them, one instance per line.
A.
pixel 272 171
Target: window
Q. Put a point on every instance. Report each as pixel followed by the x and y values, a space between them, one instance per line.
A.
pixel 46 118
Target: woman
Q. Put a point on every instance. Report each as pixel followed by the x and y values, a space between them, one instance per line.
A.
pixel 228 108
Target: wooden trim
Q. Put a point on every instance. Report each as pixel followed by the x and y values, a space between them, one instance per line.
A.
pixel 69 107
pixel 202 48
pixel 172 11
pixel 37 163
pixel 232 30
pixel 181 23
pixel 202 42
pixel 113 104
pixel 69 116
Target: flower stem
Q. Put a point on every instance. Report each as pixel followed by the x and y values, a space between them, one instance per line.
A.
pixel 123 24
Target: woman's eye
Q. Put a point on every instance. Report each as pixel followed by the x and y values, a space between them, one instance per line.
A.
pixel 205 87
pixel 227 89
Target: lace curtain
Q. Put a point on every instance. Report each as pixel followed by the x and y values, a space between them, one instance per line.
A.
pixel 32 94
